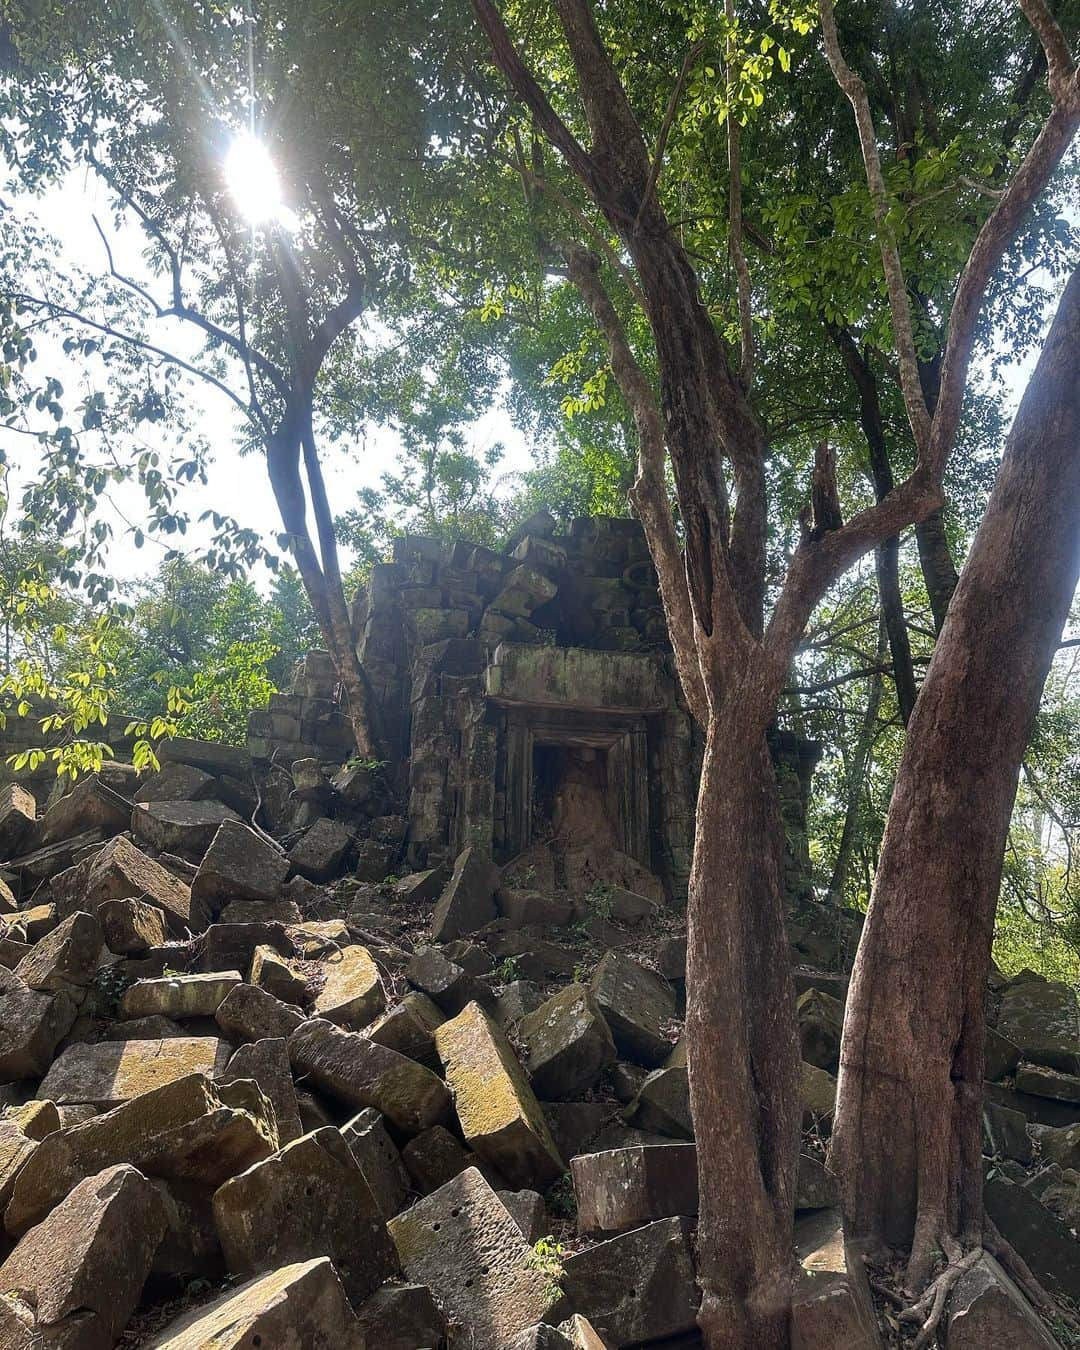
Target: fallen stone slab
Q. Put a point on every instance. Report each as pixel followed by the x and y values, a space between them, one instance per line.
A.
pixel 378 1158
pixel 662 1104
pixel 301 1305
pixel 1002 1056
pixel 174 783
pixel 232 946
pixel 815 1186
pixel 422 888
pixel 121 871
pixel 352 993
pixel 528 1211
pixel 358 1072
pixel 543 1336
pixel 521 908
pixel 18 814
pixel 266 1063
pixel 64 958
pixel 143 1029
pixel 1005 1134
pixel 1043 1082
pixel 190 1130
pixel 629 1187
pixel 986 1309
pixel 43 864
pixel 447 984
pixel 636 1287
pixel 818 1094
pixel 82 1269
pixel 637 1005
pixel 212 757
pixel 308 1199
pixel 1061 1145
pixel 186 828
pixel 462 1243
pixel 435 1156
pixel 401 1317
pixel 179 996
pixel 131 927
pixel 31 1026
pixel 409 1027
pixel 239 865
pixel 821 1021
pixel 109 1072
pixel 275 973
pixel 831 1305
pixel 16 1147
pixel 321 851
pixel 497 1109
pixel 1041 1017
pixel 468 902
pixel 90 805
pixel 248 1013
pixel 567 1042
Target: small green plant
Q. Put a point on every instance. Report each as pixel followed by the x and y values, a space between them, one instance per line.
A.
pixel 547 1256
pixel 561 1199
pixel 508 970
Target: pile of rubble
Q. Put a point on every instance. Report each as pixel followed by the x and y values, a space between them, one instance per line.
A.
pixel 258 1091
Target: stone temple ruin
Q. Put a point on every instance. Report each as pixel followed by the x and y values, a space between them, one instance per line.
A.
pixel 309 1054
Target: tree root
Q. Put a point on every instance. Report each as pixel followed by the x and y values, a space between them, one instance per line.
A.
pixel 930 1308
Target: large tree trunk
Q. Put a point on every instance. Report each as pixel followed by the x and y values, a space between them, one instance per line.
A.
pixel 743 1045
pixel 906 1141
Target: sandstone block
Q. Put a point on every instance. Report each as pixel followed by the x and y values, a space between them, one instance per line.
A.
pixel 987 1309
pixel 110 1072
pixel 637 1005
pixel 239 865
pixel 821 1020
pixel 131 927
pixel 274 973
pixel 352 993
pixel 1041 1018
pixel 179 996
pixel 31 1026
pixel 378 1158
pixel 18 813
pixel 186 828
pixel 831 1305
pixel 468 902
pixel 445 982
pixel 629 1187
pixel 320 854
pixel 123 872
pixel 409 1026
pixel 248 1013
pixel 266 1063
pixel 567 1042
pixel 401 1317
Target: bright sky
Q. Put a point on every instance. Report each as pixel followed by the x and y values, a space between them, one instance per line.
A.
pixel 238 485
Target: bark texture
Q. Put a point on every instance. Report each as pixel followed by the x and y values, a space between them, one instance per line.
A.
pixel 906 1142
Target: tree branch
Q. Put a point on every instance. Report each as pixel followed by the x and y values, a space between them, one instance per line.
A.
pixel 735 223
pixel 691 56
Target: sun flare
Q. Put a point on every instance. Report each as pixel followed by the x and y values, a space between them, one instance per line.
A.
pixel 253 181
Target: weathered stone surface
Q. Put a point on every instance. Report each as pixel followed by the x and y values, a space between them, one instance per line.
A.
pixel 987 1310
pixel 274 973
pixel 18 812
pixel 16 1147
pixel 142 1029
pixel 435 1156
pixel 31 1025
pixel 515 1001
pixel 89 1257
pixel 1002 1056
pixel 299 1307
pixel 637 1005
pixel 266 1063
pixel 1043 1082
pixel 821 1020
pixel 188 1130
pixel 179 996
pixel 528 1211
pixel 360 1073
pixel 1044 1242
pixel 444 982
pixel 636 1287
pixel 520 908
pixel 123 872
pixel 541 1337
pixel 401 1317
pixel 468 902
pixel 211 756
pixel 499 1115
pixel 65 957
pixel 464 1246
pixel 248 1013
pixel 378 1158
pixel 408 1027
pixel 309 1199
pixel 815 1187
pixel 320 854
pixel 239 865
pixel 231 946
pixel 628 1187
pixel 1004 1133
pixel 567 1042
pixel 422 888
pixel 352 993
pixel 110 1072
pixel 175 783
pixel 831 1306
pixel 89 805
pixel 132 926
pixel 663 1104
pixel 1041 1018
pixel 818 1090
pixel 186 828
pixel 1061 1145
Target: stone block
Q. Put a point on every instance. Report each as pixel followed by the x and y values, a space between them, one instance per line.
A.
pixel 179 996
pixel 276 974
pixel 80 1272
pixel 821 1021
pixel 1061 1145
pixel 409 1027
pixel 1041 1018
pixel 466 1248
pixel 123 872
pixel 498 1112
pixel 65 957
pixel 1044 1082
pixel 377 1157
pixel 831 1306
pixel 359 1073
pixel 468 902
pixel 815 1187
pixel 401 1317
pixel 110 1072
pixel 131 927
pixel 186 828
pixel 567 1042
pixel 248 1013
pixel 320 854
pixel 231 946
pixel 352 993
pixel 32 1025
pixel 447 985
pixel 89 805
pixel 239 865
pixel 637 1005
pixel 18 814
pixel 818 1091
pixel 1044 1242
pixel 308 1199
pixel 663 1104
pixel 629 1187
pixel 174 783
pixel 435 1156
pixel 638 1286
pixel 986 1309
pixel 422 888
pixel 266 1063
pixel 212 757
pixel 520 908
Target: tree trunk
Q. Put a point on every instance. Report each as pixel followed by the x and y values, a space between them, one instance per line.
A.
pixel 906 1141
pixel 856 781
pixel 938 568
pixel 743 1045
